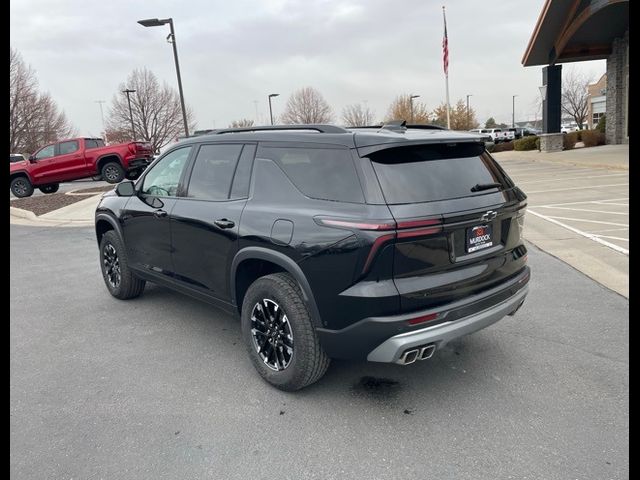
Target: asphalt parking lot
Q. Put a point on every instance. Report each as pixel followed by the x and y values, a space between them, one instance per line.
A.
pixel 69 186
pixel 578 213
pixel 160 387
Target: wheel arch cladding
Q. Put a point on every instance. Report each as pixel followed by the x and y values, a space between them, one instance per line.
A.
pixel 250 259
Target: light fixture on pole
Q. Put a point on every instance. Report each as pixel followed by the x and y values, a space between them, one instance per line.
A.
pixel 411 97
pixel 513 111
pixel 468 115
pixel 271 95
pixel 127 92
pixel 171 38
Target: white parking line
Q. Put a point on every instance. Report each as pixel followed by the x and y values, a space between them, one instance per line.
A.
pixel 612 238
pixel 583 202
pixel 572 178
pixel 590 236
pixel 611 203
pixel 579 188
pixel 612 230
pixel 586 210
pixel 589 221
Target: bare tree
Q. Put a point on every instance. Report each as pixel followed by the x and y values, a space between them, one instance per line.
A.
pixel 306 106
pixel 575 97
pixel 155 108
pixel 244 122
pixel 459 117
pixel 34 117
pixel 357 115
pixel 401 109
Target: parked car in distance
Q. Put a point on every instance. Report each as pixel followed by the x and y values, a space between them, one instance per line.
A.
pixel 78 158
pixel 568 128
pixel 16 157
pixel 381 244
pixel 497 134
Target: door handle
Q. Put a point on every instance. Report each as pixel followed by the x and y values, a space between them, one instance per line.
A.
pixel 159 213
pixel 224 223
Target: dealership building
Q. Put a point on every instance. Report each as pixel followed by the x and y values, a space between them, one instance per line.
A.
pixel 576 31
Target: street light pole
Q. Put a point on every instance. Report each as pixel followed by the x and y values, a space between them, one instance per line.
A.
pixel 270 110
pixel 513 111
pixel 468 115
pixel 100 102
pixel 411 97
pixel 128 91
pixel 154 22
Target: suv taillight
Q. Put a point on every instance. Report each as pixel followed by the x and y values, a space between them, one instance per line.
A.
pixel 400 230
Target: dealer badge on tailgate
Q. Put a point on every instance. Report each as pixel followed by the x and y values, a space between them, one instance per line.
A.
pixel 479 237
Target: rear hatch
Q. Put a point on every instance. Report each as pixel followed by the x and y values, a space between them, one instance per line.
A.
pixel 459 219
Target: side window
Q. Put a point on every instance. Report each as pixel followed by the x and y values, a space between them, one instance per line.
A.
pixel 163 178
pixel 322 173
pixel 46 152
pixel 66 148
pixel 213 171
pixel 88 144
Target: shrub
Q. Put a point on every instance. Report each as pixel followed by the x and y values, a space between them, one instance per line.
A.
pixel 503 147
pixel 526 143
pixel 592 138
pixel 578 135
pixel 602 125
pixel 569 140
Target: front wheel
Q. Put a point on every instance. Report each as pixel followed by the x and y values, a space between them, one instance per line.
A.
pixel 21 187
pixel 279 335
pixel 51 188
pixel 112 172
pixel 118 277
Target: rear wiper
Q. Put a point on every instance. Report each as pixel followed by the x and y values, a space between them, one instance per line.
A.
pixel 485 186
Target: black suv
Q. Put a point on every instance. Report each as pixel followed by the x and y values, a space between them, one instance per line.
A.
pixel 378 243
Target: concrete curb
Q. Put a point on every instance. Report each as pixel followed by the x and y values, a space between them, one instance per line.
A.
pixel 21 216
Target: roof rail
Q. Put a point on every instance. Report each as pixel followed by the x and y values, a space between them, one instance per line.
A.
pixel 401 126
pixel 271 128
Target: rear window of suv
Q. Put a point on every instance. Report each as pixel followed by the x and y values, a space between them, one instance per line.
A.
pixel 322 173
pixel 428 173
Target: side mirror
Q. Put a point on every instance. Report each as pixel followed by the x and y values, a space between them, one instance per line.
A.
pixel 125 189
pixel 32 158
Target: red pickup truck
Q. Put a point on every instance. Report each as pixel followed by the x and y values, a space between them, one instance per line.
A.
pixel 78 158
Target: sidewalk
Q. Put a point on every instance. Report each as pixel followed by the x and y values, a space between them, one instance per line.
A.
pixel 613 157
pixel 78 214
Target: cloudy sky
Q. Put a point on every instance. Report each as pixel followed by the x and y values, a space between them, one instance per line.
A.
pixel 234 53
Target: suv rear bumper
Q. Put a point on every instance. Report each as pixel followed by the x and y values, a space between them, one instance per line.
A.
pixel 439 335
pixel 384 339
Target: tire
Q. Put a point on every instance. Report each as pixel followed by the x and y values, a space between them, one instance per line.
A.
pixel 112 172
pixel 301 357
pixel 127 285
pixel 21 187
pixel 51 188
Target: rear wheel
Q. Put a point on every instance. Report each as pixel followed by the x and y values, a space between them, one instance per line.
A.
pixel 112 172
pixel 51 188
pixel 278 332
pixel 118 277
pixel 21 187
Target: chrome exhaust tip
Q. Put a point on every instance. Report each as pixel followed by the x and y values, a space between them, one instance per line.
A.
pixel 427 352
pixel 409 356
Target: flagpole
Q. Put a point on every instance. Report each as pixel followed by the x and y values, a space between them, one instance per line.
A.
pixel 446 73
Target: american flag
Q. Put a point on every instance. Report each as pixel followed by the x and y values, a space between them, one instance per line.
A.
pixel 445 47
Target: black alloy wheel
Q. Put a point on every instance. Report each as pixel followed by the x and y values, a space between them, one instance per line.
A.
pixel 272 334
